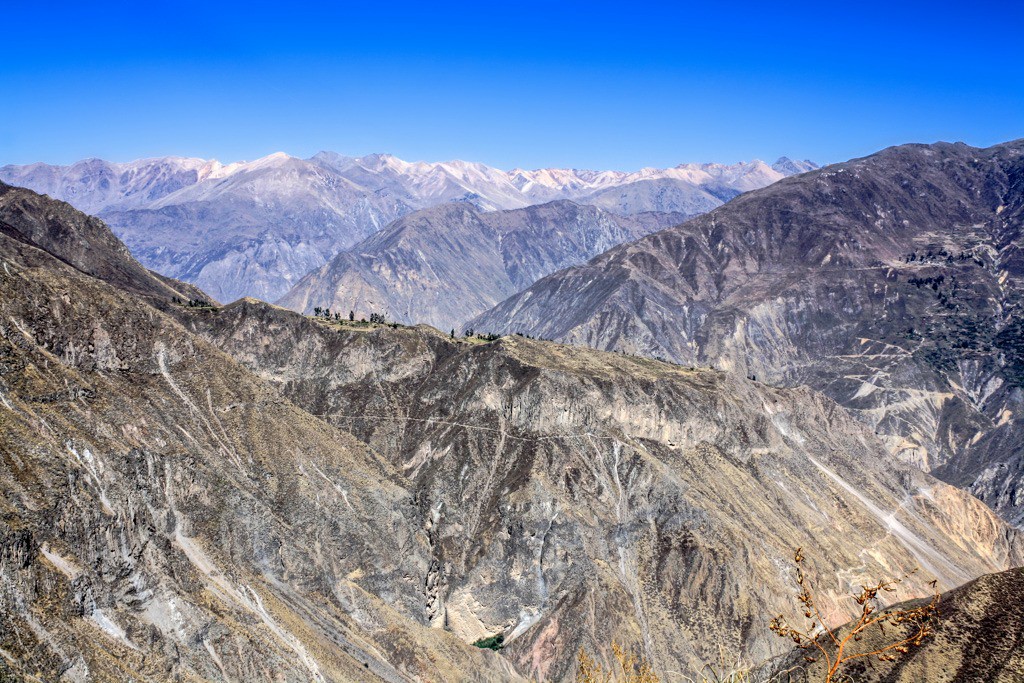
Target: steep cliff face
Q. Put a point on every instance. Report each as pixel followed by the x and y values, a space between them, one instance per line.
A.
pixel 977 637
pixel 892 283
pixel 166 515
pixel 573 497
pixel 444 265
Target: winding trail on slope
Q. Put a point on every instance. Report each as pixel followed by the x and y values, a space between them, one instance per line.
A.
pixel 243 597
pixel 226 448
pixel 500 432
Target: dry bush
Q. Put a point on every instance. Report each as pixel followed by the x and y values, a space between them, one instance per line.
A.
pixel 836 648
pixel 628 668
pixel 631 669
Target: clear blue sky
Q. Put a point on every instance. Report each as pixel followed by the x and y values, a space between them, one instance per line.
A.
pixel 578 84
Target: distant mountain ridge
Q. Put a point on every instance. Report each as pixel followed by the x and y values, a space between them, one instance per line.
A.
pixel 255 228
pixel 449 263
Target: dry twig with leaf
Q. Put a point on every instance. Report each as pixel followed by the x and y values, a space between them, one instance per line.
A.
pixel 836 647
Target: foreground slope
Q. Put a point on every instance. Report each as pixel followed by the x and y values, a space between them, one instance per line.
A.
pixel 893 283
pixel 166 515
pixel 445 265
pixel 254 228
pixel 979 636
pixel 574 497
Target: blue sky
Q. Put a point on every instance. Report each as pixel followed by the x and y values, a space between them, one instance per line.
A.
pixel 586 85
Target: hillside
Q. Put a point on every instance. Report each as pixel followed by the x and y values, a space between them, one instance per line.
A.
pixel 164 514
pixel 977 637
pixel 245 493
pixel 575 497
pixel 892 283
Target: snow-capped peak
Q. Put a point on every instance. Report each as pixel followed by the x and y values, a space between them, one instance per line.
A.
pixel 97 185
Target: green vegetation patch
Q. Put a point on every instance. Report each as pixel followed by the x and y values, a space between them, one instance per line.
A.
pixel 492 643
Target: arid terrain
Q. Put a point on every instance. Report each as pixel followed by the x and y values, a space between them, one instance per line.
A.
pixel 197 492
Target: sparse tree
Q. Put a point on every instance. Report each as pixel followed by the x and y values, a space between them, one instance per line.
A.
pixel 351 316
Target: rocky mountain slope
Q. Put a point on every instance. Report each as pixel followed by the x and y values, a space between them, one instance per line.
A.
pixel 243 493
pixel 892 283
pixel 978 637
pixel 82 242
pixel 255 228
pixel 166 515
pixel 447 264
pixel 575 497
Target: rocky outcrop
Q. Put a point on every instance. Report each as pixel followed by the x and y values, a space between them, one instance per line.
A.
pixel 892 283
pixel 445 265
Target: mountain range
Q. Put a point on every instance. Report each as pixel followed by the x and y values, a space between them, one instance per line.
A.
pixel 893 283
pixel 194 492
pixel 449 263
pixel 255 228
